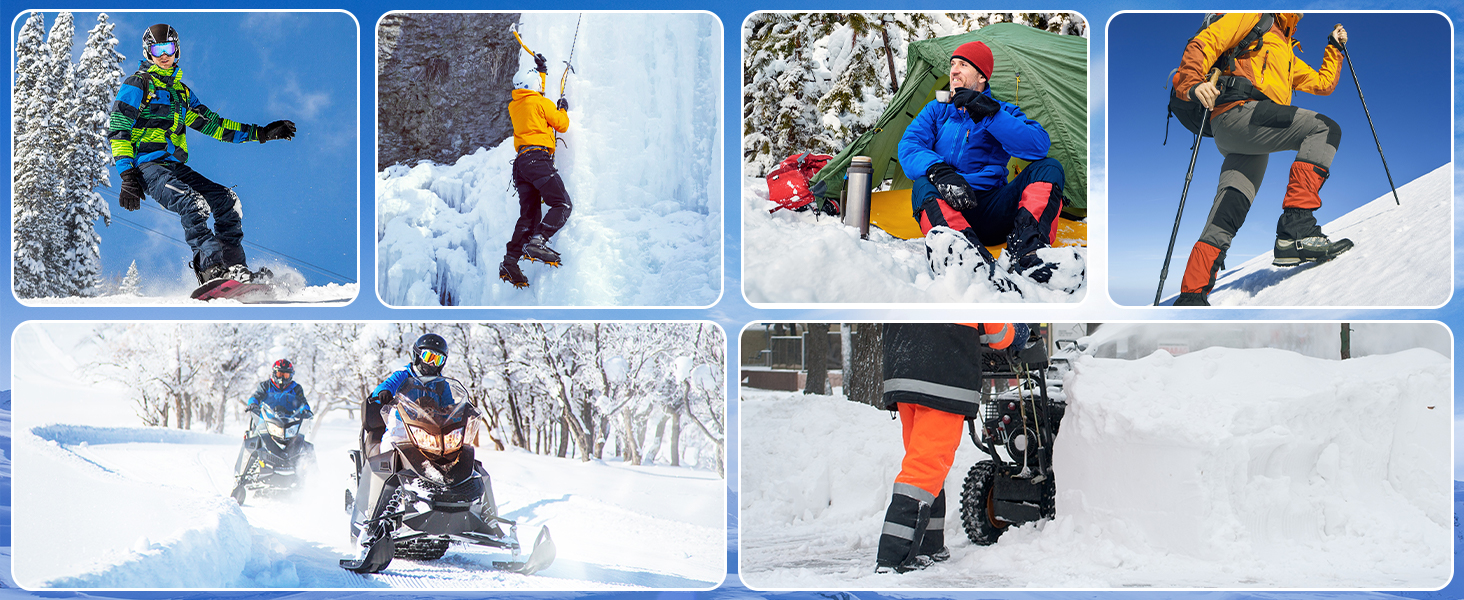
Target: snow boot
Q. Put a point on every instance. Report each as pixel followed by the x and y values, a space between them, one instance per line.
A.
pixel 242 274
pixel 509 271
pixel 946 248
pixel 1317 248
pixel 538 249
pixel 1192 299
pixel 205 275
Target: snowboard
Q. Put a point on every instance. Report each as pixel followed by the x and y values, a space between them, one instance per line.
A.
pixel 230 288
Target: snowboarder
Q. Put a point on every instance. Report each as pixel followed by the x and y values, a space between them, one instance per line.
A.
pixel 535 119
pixel 1251 117
pixel 282 394
pixel 932 376
pixel 150 152
pixel 429 355
pixel 957 152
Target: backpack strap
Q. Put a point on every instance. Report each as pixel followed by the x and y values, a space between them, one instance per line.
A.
pixel 1248 44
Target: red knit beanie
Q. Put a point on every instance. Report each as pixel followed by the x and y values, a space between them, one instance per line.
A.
pixel 977 55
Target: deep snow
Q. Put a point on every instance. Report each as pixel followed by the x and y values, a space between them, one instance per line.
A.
pixel 642 162
pixel 156 512
pixel 798 257
pixel 1403 257
pixel 1215 469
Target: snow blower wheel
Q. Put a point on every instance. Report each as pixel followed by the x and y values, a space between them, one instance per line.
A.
pixel 978 516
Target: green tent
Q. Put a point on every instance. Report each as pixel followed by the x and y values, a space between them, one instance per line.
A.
pixel 1053 91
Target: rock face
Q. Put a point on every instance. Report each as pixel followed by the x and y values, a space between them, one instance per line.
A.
pixel 443 83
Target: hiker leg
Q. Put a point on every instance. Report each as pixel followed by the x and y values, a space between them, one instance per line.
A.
pixel 931 211
pixel 545 178
pixel 1269 127
pixel 228 214
pixel 529 213
pixel 1240 177
pixel 192 209
pixel 1027 208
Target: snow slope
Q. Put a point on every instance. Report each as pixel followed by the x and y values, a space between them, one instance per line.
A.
pixel 1219 468
pixel 289 283
pixel 107 503
pixel 641 161
pixel 799 257
pixel 1403 257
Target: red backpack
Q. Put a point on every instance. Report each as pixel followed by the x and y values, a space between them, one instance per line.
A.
pixel 788 182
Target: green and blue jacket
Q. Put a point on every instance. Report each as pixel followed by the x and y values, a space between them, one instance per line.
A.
pixel 149 115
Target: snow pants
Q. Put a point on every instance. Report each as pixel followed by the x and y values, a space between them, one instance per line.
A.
pixel 1246 136
pixel 194 198
pixel 1025 209
pixel 537 181
pixel 915 520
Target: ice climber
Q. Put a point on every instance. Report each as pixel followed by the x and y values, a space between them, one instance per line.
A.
pixel 283 395
pixel 429 355
pixel 1251 117
pixel 535 120
pixel 150 152
pixel 932 376
pixel 957 154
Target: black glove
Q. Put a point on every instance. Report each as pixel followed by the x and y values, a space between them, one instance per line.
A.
pixel 371 419
pixel 278 130
pixel 952 186
pixel 977 104
pixel 131 194
pixel 541 64
pixel 254 408
pixel 562 104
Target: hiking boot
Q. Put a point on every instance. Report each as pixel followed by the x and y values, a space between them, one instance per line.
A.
pixel 1317 248
pixel 1192 299
pixel 509 271
pixel 538 249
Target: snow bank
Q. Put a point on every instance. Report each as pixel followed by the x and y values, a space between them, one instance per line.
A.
pixel 1221 468
pixel 1403 257
pixel 641 161
pixel 800 257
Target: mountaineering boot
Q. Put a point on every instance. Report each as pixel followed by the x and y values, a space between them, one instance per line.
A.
pixel 1317 248
pixel 509 271
pixel 947 249
pixel 538 249
pixel 1192 299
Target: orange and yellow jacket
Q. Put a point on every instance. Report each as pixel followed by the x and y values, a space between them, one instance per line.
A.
pixel 535 119
pixel 1273 68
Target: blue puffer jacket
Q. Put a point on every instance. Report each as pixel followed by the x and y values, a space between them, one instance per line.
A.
pixel 979 151
pixel 286 401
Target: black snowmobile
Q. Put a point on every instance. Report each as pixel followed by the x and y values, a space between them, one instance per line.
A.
pixel 278 458
pixel 414 499
pixel 1016 429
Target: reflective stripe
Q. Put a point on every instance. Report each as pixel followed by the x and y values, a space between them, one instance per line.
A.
pixel 900 531
pixel 932 389
pixel 910 491
pixel 992 337
pixel 936 523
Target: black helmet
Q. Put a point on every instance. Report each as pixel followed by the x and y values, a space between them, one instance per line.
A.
pixel 429 354
pixel 282 373
pixel 161 33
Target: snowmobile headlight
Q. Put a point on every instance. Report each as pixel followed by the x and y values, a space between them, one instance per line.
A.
pixel 426 441
pixel 276 430
pixel 453 440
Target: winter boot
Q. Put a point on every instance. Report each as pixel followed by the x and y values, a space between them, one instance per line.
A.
pixel 509 271
pixel 538 249
pixel 1023 243
pixel 242 274
pixel 1192 299
pixel 947 249
pixel 207 274
pixel 1317 248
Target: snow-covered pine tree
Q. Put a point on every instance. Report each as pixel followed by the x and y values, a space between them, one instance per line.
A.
pixel 98 77
pixel 131 283
pixel 35 183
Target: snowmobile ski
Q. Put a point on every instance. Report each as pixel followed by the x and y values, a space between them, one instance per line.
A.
pixel 376 559
pixel 540 558
pixel 239 492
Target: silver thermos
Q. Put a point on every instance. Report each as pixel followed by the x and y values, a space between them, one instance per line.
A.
pixel 856 202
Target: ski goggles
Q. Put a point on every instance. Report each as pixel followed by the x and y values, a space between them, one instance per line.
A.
pixel 430 357
pixel 163 49
pixel 283 375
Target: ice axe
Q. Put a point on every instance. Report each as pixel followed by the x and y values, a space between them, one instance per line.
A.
pixel 539 559
pixel 1195 154
pixel 1374 129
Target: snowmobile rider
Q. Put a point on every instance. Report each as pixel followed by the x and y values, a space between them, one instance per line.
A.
pixel 957 155
pixel 283 395
pixel 1251 117
pixel 932 376
pixel 150 152
pixel 429 355
pixel 535 119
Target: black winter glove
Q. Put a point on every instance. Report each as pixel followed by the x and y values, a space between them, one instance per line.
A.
pixel 562 104
pixel 278 130
pixel 131 194
pixel 952 186
pixel 977 104
pixel 541 64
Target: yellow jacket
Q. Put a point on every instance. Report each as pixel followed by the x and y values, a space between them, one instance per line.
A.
pixel 535 119
pixel 1273 68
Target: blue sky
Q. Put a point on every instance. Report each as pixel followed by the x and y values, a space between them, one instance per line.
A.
pixel 1402 62
pixel 299 196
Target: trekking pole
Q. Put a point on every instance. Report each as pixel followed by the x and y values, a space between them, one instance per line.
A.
pixel 1199 135
pixel 1369 120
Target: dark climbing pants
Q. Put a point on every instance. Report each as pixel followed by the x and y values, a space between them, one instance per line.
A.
pixel 1028 204
pixel 194 198
pixel 537 182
